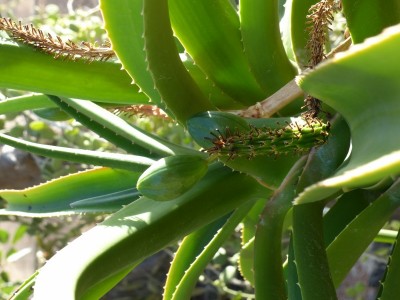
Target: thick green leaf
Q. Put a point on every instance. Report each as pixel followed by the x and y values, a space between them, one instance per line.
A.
pixel 177 88
pixel 364 88
pixel 41 106
pixel 137 231
pixel 308 236
pixel 310 256
pixel 127 136
pixel 210 32
pixel 97 158
pixel 347 207
pixel 217 97
pixel 55 197
pixel 262 42
pixel 126 20
pixel 52 114
pixel 188 281
pixel 369 17
pixel 101 122
pixel 24 68
pixel 347 247
pixel 189 249
pixel 107 202
pixel 268 272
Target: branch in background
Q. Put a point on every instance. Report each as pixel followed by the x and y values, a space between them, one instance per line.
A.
pixel 29 35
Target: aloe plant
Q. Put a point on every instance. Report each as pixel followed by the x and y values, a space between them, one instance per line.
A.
pixel 208 64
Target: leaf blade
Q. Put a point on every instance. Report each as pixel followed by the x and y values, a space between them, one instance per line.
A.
pixel 98 81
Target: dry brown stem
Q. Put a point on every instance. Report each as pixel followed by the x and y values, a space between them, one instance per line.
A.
pixel 29 35
pixel 320 18
pixel 285 95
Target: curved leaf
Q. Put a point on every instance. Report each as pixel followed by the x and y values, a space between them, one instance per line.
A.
pixel 359 16
pixel 177 88
pixel 364 88
pixel 124 135
pixel 97 158
pixel 216 96
pixel 268 272
pixel 137 231
pixel 188 281
pixel 126 20
pixel 347 247
pixel 346 208
pixel 310 256
pixel 262 42
pixel 189 249
pixel 107 202
pixel 285 27
pixel 93 117
pixel 209 31
pixel 55 197
pixel 30 70
pixel 308 237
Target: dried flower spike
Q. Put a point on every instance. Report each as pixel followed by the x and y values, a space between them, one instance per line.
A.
pixel 142 110
pixel 297 137
pixel 320 18
pixel 29 35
